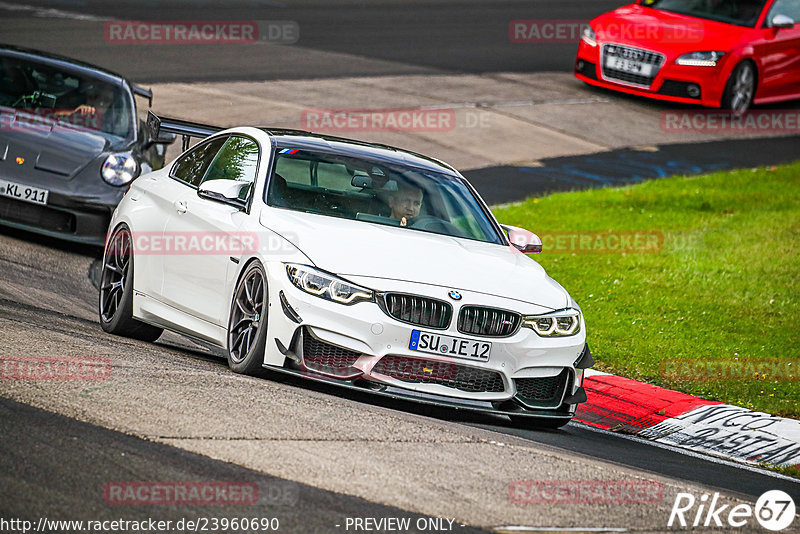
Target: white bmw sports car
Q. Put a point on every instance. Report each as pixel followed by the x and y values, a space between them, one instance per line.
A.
pixel 353 263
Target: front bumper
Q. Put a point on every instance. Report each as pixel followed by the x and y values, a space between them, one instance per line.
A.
pixel 79 206
pixel 361 344
pixel 673 83
pixel 62 218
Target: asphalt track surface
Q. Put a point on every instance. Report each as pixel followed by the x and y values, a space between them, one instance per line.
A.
pixel 337 38
pixel 48 461
pixel 75 461
pixel 627 166
pixel 53 466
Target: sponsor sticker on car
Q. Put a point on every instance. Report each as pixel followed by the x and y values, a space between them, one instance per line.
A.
pixel 454 347
pixel 24 192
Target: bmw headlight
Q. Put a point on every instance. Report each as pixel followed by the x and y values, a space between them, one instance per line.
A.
pixel 119 169
pixel 327 286
pixel 559 323
pixel 588 36
pixel 700 59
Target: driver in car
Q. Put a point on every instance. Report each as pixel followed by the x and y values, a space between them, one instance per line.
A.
pixel 405 203
pixel 98 107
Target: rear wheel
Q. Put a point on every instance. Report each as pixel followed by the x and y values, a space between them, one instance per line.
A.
pixel 116 291
pixel 247 327
pixel 741 88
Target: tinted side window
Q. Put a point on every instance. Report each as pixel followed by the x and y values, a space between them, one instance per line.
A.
pixel 192 166
pixel 294 171
pixel 335 176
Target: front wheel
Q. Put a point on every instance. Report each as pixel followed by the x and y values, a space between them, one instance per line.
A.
pixel 116 291
pixel 247 327
pixel 741 88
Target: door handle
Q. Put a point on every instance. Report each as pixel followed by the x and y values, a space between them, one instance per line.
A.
pixel 180 206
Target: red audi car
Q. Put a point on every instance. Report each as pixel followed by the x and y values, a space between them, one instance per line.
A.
pixel 718 53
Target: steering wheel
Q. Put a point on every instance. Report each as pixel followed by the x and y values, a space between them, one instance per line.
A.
pixel 37 99
pixel 437 225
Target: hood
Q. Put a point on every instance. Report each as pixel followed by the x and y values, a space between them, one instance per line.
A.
pixel 51 147
pixel 666 32
pixel 356 248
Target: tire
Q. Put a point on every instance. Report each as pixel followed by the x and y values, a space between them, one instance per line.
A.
pixel 741 88
pixel 247 323
pixel 115 302
pixel 540 423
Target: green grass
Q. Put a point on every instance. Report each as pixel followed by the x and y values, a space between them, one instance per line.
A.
pixel 725 286
pixel 788 470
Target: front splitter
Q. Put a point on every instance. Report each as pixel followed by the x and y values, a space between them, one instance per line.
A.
pixel 400 394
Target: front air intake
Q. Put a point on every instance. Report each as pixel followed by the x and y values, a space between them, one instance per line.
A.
pixel 448 374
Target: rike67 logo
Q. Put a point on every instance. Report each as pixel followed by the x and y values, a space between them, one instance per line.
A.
pixel 774 510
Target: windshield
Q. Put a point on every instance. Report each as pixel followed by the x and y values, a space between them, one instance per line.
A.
pixel 739 12
pixel 377 192
pixel 46 94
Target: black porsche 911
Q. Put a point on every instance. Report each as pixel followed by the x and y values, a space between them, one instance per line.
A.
pixel 70 143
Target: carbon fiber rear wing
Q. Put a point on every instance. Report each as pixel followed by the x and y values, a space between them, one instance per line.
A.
pixel 162 125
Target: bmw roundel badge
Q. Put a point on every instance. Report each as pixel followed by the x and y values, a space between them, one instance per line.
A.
pixel 455 295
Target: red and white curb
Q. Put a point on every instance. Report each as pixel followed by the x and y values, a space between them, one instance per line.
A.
pixel 673 418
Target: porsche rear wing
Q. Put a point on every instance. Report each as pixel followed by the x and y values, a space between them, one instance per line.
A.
pixel 162 125
pixel 144 93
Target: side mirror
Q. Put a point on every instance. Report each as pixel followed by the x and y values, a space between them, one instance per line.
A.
pixel 523 240
pixel 781 21
pixel 227 191
pixel 165 138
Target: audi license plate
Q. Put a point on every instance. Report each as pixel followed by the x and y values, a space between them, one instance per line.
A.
pixel 454 347
pixel 24 192
pixel 629 65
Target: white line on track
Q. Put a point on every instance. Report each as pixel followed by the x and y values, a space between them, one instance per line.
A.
pixel 487 105
pixel 50 13
pixel 691 453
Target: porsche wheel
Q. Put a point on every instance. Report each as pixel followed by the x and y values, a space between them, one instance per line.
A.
pixel 247 327
pixel 116 291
